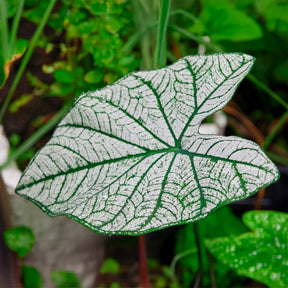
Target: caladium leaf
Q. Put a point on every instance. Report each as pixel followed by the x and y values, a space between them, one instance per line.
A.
pixel 266 248
pixel 128 159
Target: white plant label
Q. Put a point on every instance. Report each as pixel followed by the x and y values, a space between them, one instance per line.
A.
pixel 128 159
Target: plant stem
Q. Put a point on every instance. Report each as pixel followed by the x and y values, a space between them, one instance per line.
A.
pixel 9 262
pixel 277 158
pixel 145 16
pixel 198 277
pixel 15 26
pixel 275 130
pixel 145 283
pixel 211 270
pixel 161 46
pixel 134 39
pixel 186 14
pixel 176 259
pixel 26 57
pixel 4 30
pixel 5 209
pixel 197 39
pixel 266 89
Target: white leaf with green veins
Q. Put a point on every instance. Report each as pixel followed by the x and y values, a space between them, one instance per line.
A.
pixel 128 159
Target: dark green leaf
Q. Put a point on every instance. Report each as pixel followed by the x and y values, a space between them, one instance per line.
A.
pixel 31 277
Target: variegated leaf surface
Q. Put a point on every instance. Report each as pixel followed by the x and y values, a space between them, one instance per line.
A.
pixel 261 254
pixel 128 159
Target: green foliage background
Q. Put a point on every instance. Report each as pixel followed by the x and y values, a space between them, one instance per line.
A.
pixel 97 42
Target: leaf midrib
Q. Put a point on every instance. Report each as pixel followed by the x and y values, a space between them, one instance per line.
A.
pixel 175 150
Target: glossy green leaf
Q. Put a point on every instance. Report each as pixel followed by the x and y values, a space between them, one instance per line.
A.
pixel 19 239
pixel 65 279
pixel 31 277
pixel 261 254
pixel 128 159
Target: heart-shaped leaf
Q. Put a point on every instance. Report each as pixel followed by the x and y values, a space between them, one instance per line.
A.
pixel 266 248
pixel 128 159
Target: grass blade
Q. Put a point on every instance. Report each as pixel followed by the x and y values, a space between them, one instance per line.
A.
pixel 161 47
pixel 27 57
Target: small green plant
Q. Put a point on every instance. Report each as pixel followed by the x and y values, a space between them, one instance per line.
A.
pixel 260 254
pixel 21 240
pixel 110 265
pixel 65 279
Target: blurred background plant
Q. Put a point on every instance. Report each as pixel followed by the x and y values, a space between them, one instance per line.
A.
pixel 53 51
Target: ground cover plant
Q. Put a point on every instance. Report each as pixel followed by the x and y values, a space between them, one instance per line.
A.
pixel 21 240
pixel 131 151
pixel 265 245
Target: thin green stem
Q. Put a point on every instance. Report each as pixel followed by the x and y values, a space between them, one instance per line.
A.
pixel 27 57
pixel 266 89
pixel 4 30
pixel 161 46
pixel 176 259
pixel 277 158
pixel 186 14
pixel 15 25
pixel 197 39
pixel 37 135
pixel 145 15
pixel 134 39
pixel 211 270
pixel 268 140
pixel 198 277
